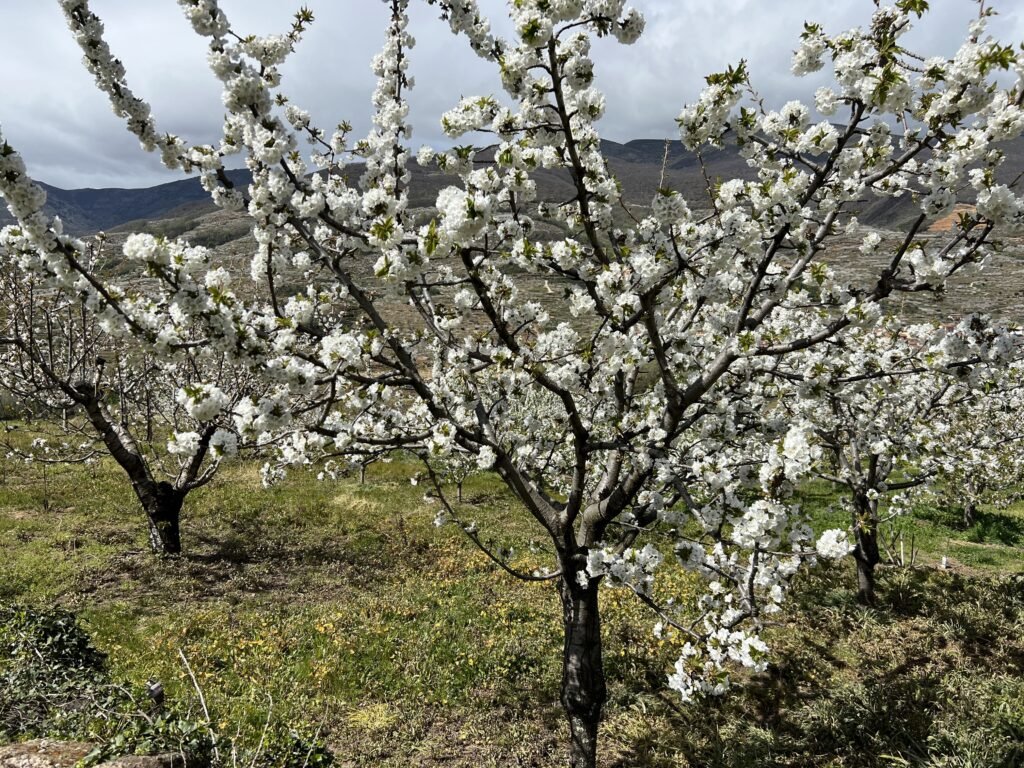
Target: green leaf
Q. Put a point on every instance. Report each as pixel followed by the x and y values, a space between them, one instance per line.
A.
pixel 917 7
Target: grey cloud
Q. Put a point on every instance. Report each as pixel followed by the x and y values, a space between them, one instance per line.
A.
pixel 55 116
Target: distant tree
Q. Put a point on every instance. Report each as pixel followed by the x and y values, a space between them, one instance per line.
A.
pixel 888 408
pixel 56 361
pixel 626 418
pixel 978 452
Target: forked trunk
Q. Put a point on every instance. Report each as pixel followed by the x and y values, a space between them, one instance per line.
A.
pixel 970 514
pixel 163 508
pixel 583 683
pixel 161 500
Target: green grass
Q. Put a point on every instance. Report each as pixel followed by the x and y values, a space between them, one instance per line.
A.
pixel 340 609
pixel 993 544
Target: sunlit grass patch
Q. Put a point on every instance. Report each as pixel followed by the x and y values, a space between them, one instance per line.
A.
pixel 338 608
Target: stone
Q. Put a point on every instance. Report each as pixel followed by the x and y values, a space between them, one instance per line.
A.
pixel 65 754
pixel 168 760
pixel 43 754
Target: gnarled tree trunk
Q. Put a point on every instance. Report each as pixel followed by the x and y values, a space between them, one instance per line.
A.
pixel 163 503
pixel 161 500
pixel 583 683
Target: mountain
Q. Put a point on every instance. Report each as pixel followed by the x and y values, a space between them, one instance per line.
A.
pixel 182 209
pixel 641 166
pixel 85 211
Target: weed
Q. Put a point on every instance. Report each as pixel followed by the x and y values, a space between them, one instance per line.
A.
pixel 401 646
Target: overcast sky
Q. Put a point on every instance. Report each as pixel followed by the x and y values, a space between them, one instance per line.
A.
pixel 54 115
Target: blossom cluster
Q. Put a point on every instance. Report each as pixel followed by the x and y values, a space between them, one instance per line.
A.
pixel 681 397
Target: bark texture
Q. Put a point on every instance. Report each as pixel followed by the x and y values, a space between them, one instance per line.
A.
pixel 583 684
pixel 866 553
pixel 163 503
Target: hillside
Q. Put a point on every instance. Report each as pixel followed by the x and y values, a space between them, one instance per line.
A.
pixel 182 209
pixel 85 211
pixel 640 165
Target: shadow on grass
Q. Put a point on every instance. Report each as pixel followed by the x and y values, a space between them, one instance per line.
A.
pixel 936 674
pixel 987 528
pixel 230 550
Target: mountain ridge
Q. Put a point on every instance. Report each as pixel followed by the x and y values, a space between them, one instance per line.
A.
pixel 641 165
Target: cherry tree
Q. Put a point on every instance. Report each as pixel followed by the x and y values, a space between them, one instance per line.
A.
pixel 55 357
pixel 627 428
pixel 977 452
pixel 882 404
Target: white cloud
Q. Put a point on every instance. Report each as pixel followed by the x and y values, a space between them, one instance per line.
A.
pixel 63 126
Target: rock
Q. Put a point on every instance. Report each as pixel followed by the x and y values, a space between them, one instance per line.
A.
pixel 65 754
pixel 43 754
pixel 169 760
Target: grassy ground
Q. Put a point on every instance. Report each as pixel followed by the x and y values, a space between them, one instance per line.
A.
pixel 993 544
pixel 339 609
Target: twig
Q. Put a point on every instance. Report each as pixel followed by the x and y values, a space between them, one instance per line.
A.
pixel 472 535
pixel 312 745
pixel 263 736
pixel 664 165
pixel 202 703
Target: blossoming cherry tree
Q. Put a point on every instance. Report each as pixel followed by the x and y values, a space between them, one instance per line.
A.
pixel 614 423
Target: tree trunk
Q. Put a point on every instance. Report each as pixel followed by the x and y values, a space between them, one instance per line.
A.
pixel 163 508
pixel 866 552
pixel 161 500
pixel 583 683
pixel 866 573
pixel 970 514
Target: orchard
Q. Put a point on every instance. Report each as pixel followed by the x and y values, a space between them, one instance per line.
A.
pixel 712 359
